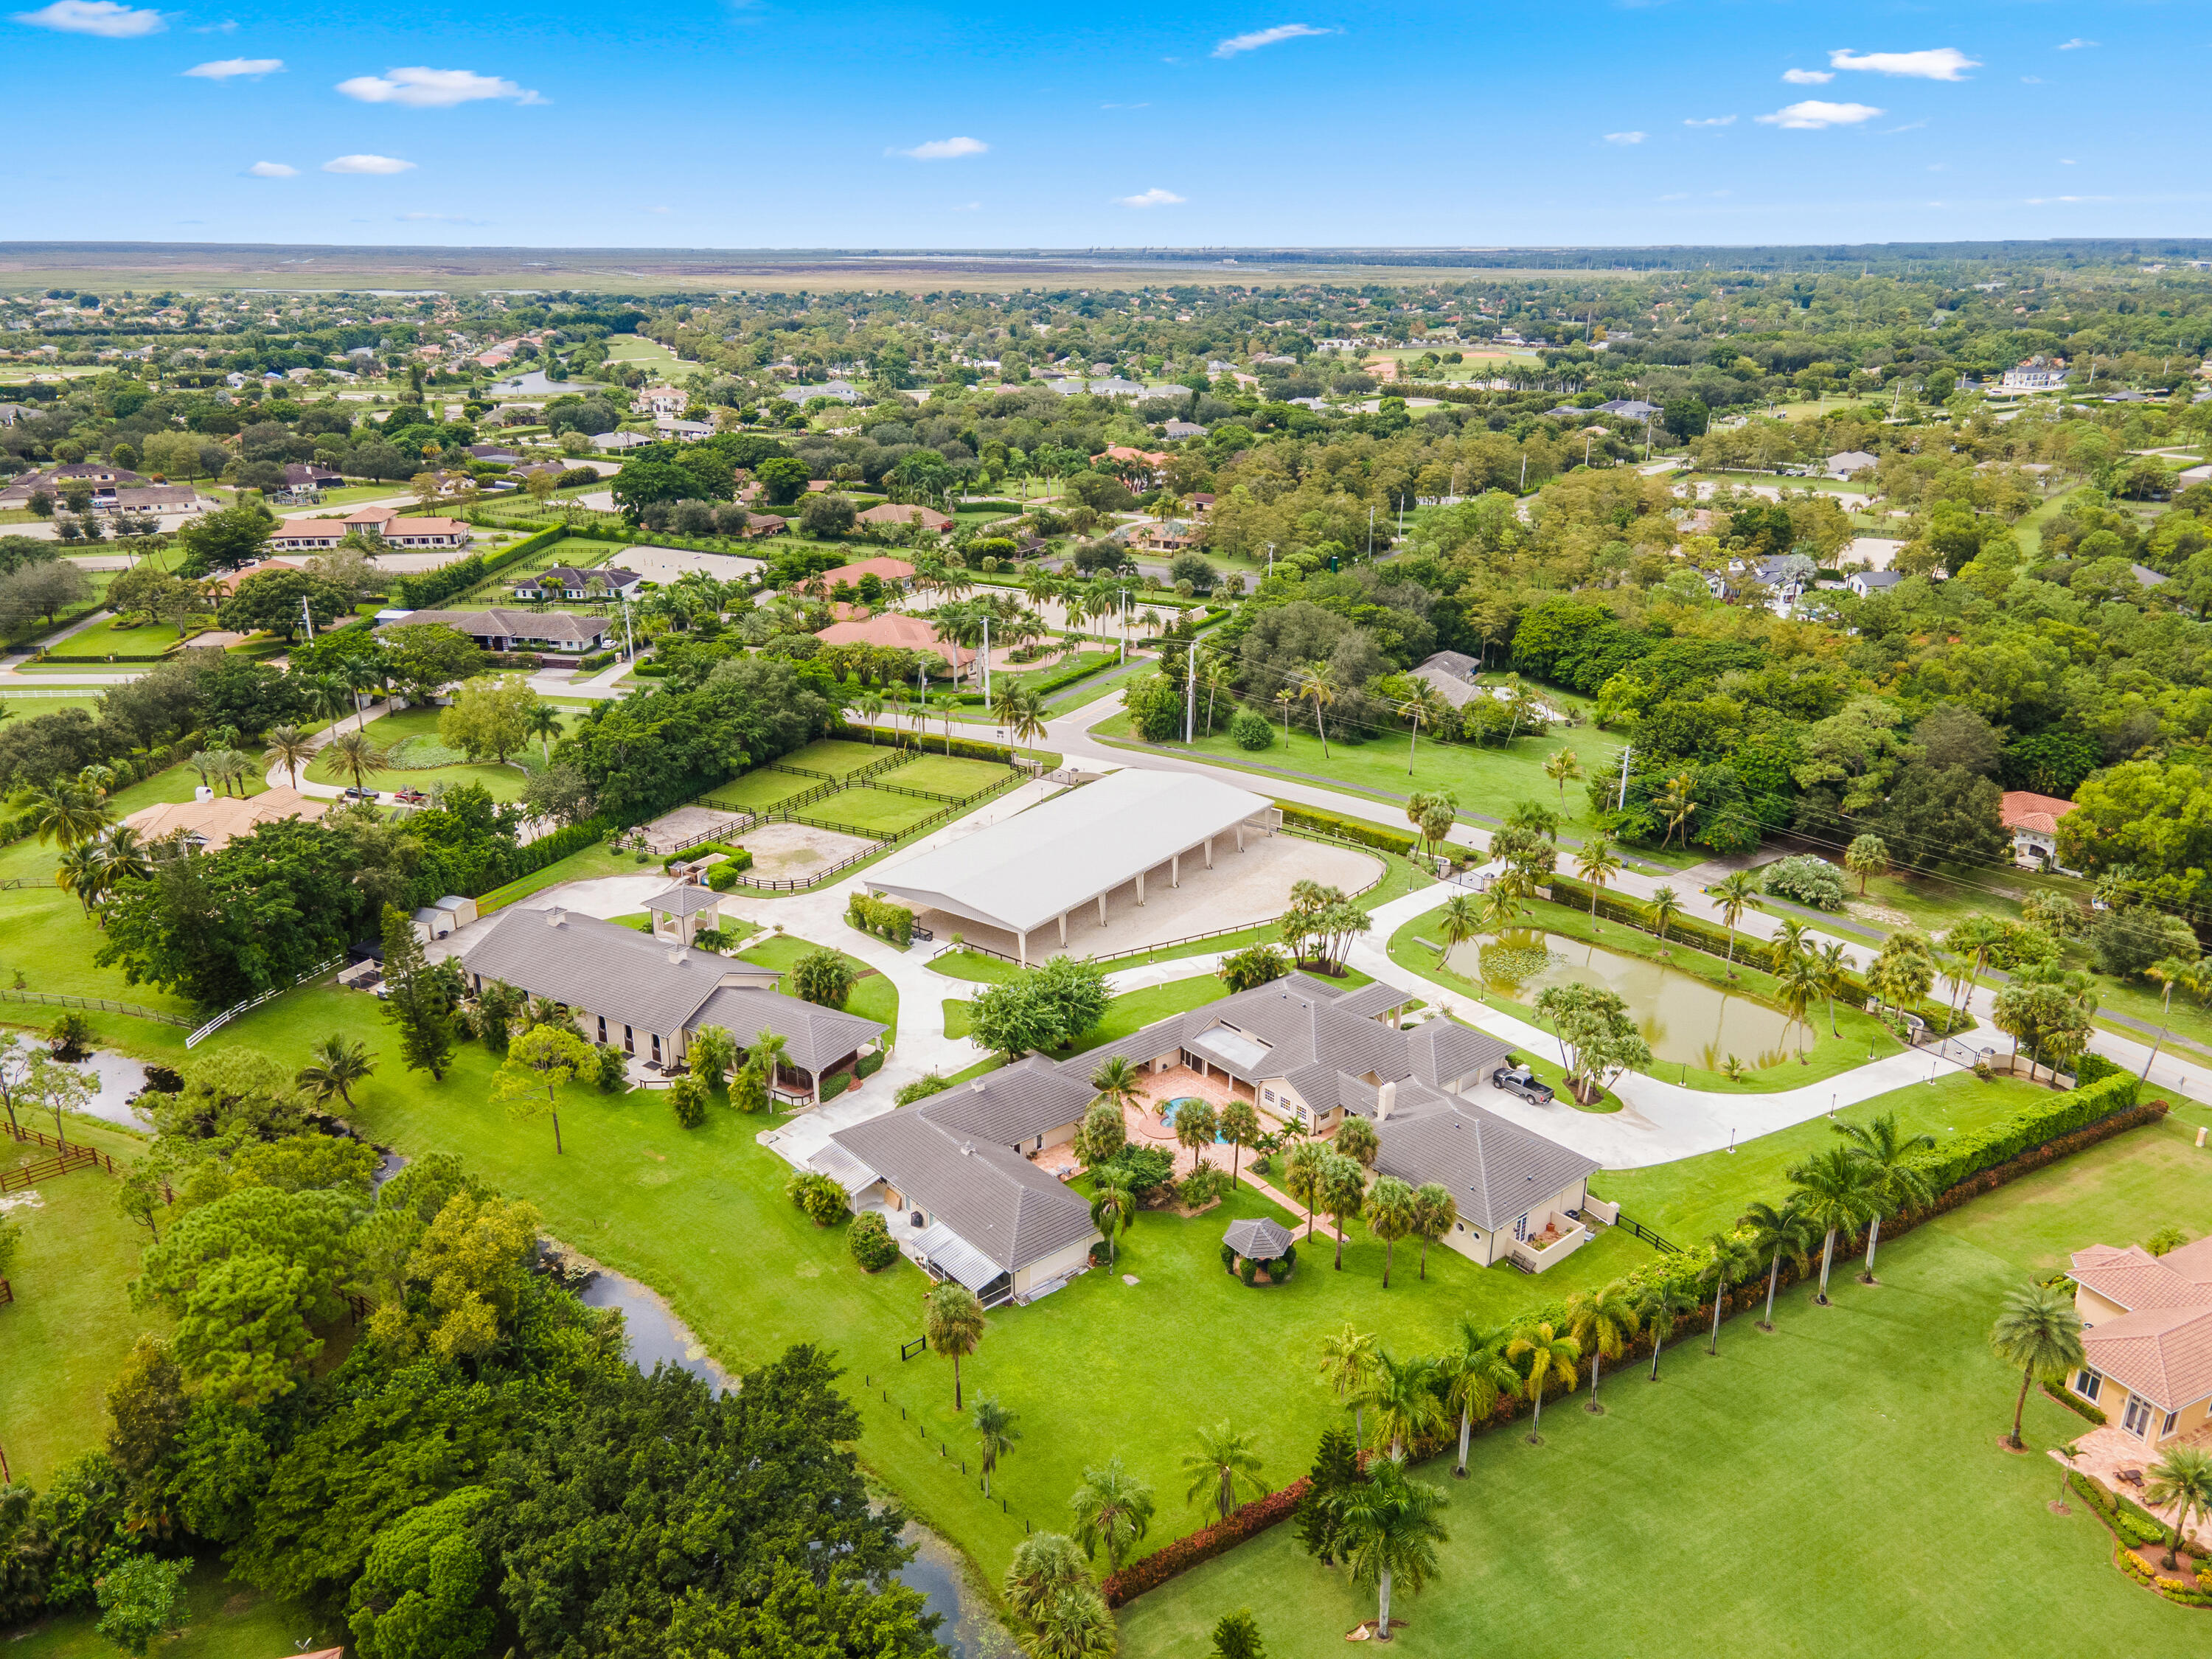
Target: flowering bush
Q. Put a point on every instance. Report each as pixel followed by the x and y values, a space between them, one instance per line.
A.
pixel 1247 1520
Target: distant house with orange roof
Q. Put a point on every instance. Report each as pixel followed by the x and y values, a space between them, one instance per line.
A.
pixel 2146 1337
pixel 1147 458
pixel 907 513
pixel 885 570
pixel 212 823
pixel 312 535
pixel 901 632
pixel 2032 820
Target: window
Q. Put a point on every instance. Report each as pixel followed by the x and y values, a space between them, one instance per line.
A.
pixel 629 1041
pixel 603 1030
pixel 1520 1230
pixel 656 1048
pixel 2167 1427
pixel 2137 1422
pixel 2087 1383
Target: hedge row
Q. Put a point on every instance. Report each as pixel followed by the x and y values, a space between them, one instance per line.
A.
pixel 1713 940
pixel 963 747
pixel 1359 830
pixel 1246 1521
pixel 420 592
pixel 2133 1526
pixel 2047 1120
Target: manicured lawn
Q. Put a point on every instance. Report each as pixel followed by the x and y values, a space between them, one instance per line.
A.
pixel 222 1620
pixel 873 812
pixel 71 1325
pixel 1131 1011
pixel 756 792
pixel 1825 1056
pixel 103 638
pixel 599 859
pixel 874 996
pixel 29 708
pixel 948 774
pixel 838 757
pixel 1834 1488
pixel 504 783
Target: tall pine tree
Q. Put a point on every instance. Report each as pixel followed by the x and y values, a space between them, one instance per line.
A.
pixel 419 999
pixel 1335 1472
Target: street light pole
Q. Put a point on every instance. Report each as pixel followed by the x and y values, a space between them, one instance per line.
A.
pixel 1190 694
pixel 1621 805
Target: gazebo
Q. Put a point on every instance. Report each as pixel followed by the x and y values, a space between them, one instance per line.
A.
pixel 1253 1243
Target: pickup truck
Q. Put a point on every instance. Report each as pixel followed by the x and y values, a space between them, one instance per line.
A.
pixel 1518 1080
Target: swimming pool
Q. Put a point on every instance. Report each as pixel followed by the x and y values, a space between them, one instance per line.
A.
pixel 1168 1112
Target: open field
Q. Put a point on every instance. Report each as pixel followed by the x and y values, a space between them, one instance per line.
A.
pixel 223 1619
pixel 873 812
pixel 756 792
pixel 948 774
pixel 504 783
pixel 838 757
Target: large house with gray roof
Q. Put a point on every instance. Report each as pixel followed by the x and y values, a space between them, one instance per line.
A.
pixel 956 1171
pixel 648 994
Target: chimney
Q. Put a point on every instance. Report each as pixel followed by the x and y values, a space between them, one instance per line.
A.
pixel 677 955
pixel 557 916
pixel 1385 1097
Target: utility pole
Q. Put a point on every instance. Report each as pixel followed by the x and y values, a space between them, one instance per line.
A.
pixel 1370 529
pixel 308 617
pixel 987 658
pixel 1190 694
pixel 1621 805
pixel 630 639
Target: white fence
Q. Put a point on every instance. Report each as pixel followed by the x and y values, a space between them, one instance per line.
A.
pixel 251 1003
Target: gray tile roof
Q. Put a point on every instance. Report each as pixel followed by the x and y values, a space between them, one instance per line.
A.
pixel 1256 1236
pixel 1494 1168
pixel 587 963
pixel 816 1037
pixel 683 902
pixel 1299 1020
pixel 1014 1103
pixel 517 624
pixel 1443 1051
pixel 999 1204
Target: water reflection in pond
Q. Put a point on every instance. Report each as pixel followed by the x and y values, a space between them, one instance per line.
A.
pixel 1684 1019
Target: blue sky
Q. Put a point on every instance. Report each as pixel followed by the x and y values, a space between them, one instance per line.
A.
pixel 784 124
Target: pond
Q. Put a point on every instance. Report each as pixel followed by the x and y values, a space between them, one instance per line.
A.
pixel 969 1628
pixel 1684 1019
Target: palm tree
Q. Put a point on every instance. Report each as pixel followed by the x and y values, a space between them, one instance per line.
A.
pixel 1317 685
pixel 1044 1563
pixel 1113 1209
pixel 543 722
pixel 1116 1079
pixel 1597 864
pixel 83 871
pixel 2169 971
pixel 1664 908
pixel 1301 1176
pixel 1562 769
pixel 1775 1234
pixel 1436 1211
pixel 1832 1195
pixel 2038 1334
pixel 1347 1362
pixel 1196 1123
pixel 1835 970
pixel 1113 1511
pixel 952 1320
pixel 1021 711
pixel 1343 1196
pixel 1476 1375
pixel 1677 803
pixel 1735 893
pixel 1391 1531
pixel 1422 703
pixel 334 1066
pixel 766 1057
pixel 1799 977
pixel 1604 1321
pixel 2183 1478
pixel 1238 1124
pixel 1405 1394
pixel 994 1427
pixel 1076 1624
pixel 869 706
pixel 1549 1354
pixel 1224 1465
pixel 1390 1216
pixel 65 813
pixel 1660 1307
pixel 357 755
pixel 1895 1179
pixel 1461 920
pixel 290 748
pixel 1730 1259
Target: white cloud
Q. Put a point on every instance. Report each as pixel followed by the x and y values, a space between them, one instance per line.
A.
pixel 943 149
pixel 429 88
pixel 1676 196
pixel 1258 37
pixel 1710 121
pixel 968 207
pixel 273 170
pixel 102 17
pixel 2077 44
pixel 2066 163
pixel 367 164
pixel 2031 80
pixel 1797 77
pixel 656 209
pixel 225 68
pixel 1939 63
pixel 1152 198
pixel 1814 113
pixel 1626 138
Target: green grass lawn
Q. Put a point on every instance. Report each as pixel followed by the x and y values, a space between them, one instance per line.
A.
pixel 1861 1037
pixel 1130 1011
pixel 874 997
pixel 838 757
pixel 103 638
pixel 948 774
pixel 71 1325
pixel 503 782
pixel 222 1620
pixel 1834 1488
pixel 29 708
pixel 757 791
pixel 599 859
pixel 873 812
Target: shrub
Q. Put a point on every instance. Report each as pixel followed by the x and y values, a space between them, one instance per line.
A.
pixel 70 1039
pixel 1256 964
pixel 871 914
pixel 1359 830
pixel 870 1241
pixel 822 1199
pixel 1247 1520
pixel 1251 730
pixel 920 1089
pixel 1227 1259
pixel 687 1096
pixel 1202 1186
pixel 868 1064
pixel 2094 1068
pixel 722 877
pixel 1140 1169
pixel 1964 1155
pixel 1248 1270
pixel 748 1090
pixel 1808 880
pixel 1262 1165
pixel 613 1069
pixel 836 1084
pixel 823 977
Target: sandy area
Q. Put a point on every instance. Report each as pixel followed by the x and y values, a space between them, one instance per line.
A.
pixel 665 564
pixel 792 852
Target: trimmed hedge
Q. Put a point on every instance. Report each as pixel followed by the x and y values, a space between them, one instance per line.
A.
pixel 2074 1402
pixel 963 747
pixel 1246 1521
pixel 1359 830
pixel 2047 1120
pixel 420 592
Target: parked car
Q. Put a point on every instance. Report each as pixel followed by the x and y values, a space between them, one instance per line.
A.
pixel 1518 1080
pixel 360 795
